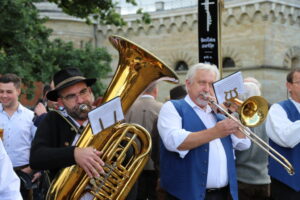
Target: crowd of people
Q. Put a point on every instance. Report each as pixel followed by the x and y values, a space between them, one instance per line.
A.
pixel 197 152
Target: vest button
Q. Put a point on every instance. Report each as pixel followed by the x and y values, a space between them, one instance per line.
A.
pixel 67 144
pixel 205 150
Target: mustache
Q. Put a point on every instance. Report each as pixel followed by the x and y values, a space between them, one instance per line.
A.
pixel 204 95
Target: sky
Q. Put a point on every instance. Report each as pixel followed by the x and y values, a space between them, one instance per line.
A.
pixel 149 5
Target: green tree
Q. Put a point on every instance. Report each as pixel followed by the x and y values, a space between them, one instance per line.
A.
pixel 103 11
pixel 25 48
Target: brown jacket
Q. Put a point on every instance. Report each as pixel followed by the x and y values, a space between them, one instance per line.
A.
pixel 144 112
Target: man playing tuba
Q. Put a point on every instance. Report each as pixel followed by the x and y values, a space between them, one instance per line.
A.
pixel 53 146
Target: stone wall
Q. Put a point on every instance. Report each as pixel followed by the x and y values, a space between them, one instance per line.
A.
pixel 261 37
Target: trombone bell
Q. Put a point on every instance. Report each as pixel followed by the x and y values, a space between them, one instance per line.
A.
pixel 252 111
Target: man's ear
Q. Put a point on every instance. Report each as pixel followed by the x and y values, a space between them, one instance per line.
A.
pixel 288 86
pixel 187 82
pixel 18 91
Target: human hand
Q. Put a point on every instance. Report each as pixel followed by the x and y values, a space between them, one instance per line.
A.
pixel 232 107
pixel 89 160
pixel 226 127
pixel 40 109
pixel 36 176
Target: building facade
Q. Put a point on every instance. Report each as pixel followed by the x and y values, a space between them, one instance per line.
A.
pixel 259 37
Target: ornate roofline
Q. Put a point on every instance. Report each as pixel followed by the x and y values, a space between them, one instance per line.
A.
pixel 274 10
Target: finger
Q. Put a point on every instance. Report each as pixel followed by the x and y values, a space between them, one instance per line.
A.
pixel 95 172
pixel 97 158
pixel 93 168
pixel 88 171
pixel 99 161
pixel 98 165
pixel 34 178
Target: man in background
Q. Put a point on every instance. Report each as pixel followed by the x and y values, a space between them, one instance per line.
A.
pixel 16 121
pixel 44 105
pixel 283 128
pixel 144 112
pixel 252 164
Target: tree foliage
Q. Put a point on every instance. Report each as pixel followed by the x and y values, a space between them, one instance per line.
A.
pixel 25 48
pixel 103 11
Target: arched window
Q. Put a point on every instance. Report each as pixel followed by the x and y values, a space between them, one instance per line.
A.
pixel 181 66
pixel 228 62
pixel 295 62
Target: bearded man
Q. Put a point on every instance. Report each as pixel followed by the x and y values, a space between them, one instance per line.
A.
pixel 53 147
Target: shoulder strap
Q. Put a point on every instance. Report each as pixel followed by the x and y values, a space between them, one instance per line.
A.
pixel 68 120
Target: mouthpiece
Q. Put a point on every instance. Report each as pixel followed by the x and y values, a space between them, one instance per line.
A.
pixel 205 96
pixel 83 108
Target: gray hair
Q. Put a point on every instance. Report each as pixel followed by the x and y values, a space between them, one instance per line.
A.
pixel 202 66
pixel 253 80
pixel 251 89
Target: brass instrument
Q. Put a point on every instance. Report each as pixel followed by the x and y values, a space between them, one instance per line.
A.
pixel 253 112
pixel 137 69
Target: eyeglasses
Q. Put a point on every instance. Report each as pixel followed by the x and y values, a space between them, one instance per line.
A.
pixel 73 97
pixel 204 83
pixel 296 82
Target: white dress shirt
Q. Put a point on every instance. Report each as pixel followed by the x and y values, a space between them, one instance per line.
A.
pixel 9 182
pixel 172 134
pixel 280 129
pixel 19 131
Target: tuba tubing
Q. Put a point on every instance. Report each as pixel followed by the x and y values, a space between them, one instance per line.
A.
pixel 137 70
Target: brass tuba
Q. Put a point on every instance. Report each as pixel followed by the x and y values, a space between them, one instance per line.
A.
pixel 136 70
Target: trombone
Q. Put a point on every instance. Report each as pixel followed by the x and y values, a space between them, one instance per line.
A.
pixel 253 112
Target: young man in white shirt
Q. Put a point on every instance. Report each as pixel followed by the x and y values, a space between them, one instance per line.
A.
pixel 19 130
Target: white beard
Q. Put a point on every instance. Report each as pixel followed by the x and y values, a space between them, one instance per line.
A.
pixel 201 102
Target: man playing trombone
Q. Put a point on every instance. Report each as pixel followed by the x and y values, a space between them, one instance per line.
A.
pixel 197 160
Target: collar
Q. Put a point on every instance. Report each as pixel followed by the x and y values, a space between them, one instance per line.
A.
pixel 193 105
pixel 19 109
pixel 65 114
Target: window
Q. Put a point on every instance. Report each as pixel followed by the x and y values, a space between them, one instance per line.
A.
pixel 228 62
pixel 295 62
pixel 181 66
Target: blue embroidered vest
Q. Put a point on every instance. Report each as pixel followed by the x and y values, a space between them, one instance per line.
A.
pixel 291 154
pixel 185 178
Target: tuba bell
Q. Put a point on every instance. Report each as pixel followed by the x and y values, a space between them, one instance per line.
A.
pixel 126 147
